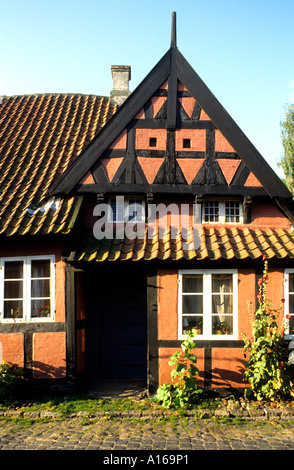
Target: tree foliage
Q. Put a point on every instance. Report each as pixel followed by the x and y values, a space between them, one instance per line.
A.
pixel 287 161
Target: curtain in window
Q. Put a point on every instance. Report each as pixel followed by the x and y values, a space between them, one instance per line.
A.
pixel 222 299
pixel 40 288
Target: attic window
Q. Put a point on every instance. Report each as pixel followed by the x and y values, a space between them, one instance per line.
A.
pixel 186 143
pixel 127 210
pixel 229 212
pixel 152 142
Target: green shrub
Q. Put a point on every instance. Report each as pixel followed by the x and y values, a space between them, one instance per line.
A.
pixel 185 390
pixel 10 377
pixel 267 369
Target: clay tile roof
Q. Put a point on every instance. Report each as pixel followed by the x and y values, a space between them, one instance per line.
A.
pixel 216 243
pixel 40 136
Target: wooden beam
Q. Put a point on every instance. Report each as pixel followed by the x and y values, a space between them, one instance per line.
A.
pixel 128 110
pixel 171 189
pixel 223 121
pixel 152 312
pixel 172 98
pixel 70 305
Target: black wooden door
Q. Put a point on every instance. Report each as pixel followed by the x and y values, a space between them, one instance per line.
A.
pixel 119 323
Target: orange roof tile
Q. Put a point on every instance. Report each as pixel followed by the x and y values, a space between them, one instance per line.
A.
pixel 40 136
pixel 216 243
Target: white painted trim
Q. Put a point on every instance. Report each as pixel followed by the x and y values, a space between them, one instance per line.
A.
pixel 27 288
pixel 207 315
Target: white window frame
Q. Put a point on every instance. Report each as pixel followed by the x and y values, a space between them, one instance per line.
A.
pixel 287 271
pixel 207 314
pixel 27 261
pixel 222 211
pixel 127 203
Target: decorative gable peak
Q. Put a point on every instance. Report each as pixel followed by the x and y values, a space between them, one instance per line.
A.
pixel 172 135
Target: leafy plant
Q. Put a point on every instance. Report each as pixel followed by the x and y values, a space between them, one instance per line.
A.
pixel 267 369
pixel 10 376
pixel 184 390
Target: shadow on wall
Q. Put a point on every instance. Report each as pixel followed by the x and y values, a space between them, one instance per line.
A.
pixel 229 378
pixel 42 370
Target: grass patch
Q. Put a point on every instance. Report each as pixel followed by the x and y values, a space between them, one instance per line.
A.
pixel 65 406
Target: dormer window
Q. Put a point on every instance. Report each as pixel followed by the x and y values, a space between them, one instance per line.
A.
pixel 229 212
pixel 232 212
pixel 211 211
pixel 127 210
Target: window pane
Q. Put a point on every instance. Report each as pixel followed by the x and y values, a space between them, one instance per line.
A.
pixel 194 323
pixel 40 268
pixel 222 283
pixel 222 325
pixel 211 211
pixel 291 325
pixel 118 211
pixel 232 211
pixel 13 308
pixel 13 289
pixel 193 283
pixel 135 211
pixel 222 303
pixel 192 304
pixel 291 282
pixel 40 308
pixel 13 270
pixel 40 288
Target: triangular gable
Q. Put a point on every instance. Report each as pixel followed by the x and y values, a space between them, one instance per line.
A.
pixel 197 142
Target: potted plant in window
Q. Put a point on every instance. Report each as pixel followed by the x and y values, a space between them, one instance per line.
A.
pixel 197 329
pixel 219 327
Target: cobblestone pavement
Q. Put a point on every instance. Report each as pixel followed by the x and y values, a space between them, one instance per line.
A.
pixel 184 434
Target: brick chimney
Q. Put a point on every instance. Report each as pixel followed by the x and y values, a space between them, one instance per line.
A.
pixel 121 75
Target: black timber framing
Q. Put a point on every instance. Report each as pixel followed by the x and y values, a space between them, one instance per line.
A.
pixel 171 189
pixel 71 321
pixel 67 182
pixel 231 131
pixel 172 65
pixel 208 346
pixel 152 328
pixel 28 330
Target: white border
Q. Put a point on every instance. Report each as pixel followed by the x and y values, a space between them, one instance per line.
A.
pixel 207 291
pixel 222 211
pixel 27 288
pixel 287 271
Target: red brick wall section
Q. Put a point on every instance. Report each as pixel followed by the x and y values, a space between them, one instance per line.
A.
pixel 246 298
pixel 12 348
pixel 167 304
pixel 197 136
pixel 143 136
pixel 49 355
pixel 165 369
pixel 221 143
pixel 267 214
pixel 81 315
pixel 228 365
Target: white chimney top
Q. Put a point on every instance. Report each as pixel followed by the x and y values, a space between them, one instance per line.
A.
pixel 121 75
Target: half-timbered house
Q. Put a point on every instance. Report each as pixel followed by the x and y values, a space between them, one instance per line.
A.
pixel 85 286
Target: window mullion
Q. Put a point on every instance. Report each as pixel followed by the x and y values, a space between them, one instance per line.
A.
pixel 207 304
pixel 27 289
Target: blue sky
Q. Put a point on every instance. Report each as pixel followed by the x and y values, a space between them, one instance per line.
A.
pixel 242 49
